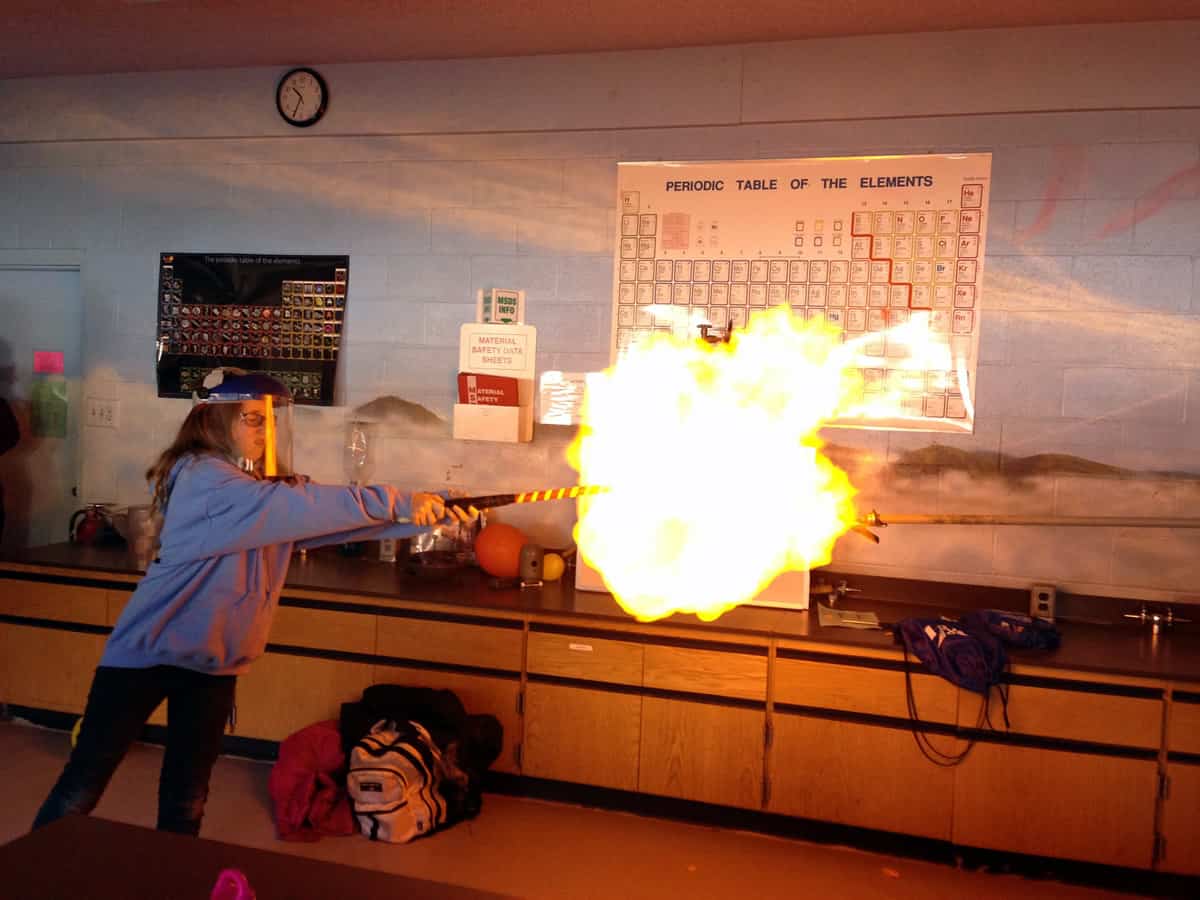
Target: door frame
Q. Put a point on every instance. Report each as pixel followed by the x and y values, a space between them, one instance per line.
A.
pixel 33 260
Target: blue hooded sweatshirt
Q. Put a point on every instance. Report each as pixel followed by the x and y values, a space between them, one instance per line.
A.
pixel 206 603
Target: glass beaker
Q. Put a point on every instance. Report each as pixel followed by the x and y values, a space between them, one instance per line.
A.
pixel 358 460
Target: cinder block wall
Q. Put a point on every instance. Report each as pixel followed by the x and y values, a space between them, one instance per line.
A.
pixel 439 178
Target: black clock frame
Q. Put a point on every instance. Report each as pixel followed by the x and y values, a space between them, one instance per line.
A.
pixel 315 117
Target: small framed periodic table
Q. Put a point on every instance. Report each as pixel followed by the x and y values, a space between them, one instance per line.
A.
pixel 278 314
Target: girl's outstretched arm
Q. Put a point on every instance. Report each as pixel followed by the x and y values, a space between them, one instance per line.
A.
pixel 214 509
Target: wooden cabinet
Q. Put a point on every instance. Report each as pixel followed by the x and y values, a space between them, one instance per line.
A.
pixel 640 708
pixel 1183 725
pixel 159 716
pixel 57 602
pixel 1078 715
pixel 486 646
pixel 708 750
pixel 1181 820
pixel 1181 806
pixel 702 751
pixel 585 735
pixel 864 775
pixel 49 668
pixel 479 694
pixel 578 733
pixel 863 689
pixel 1054 803
pixel 584 657
pixel 1092 807
pixel 283 693
pixel 115 602
pixel 324 629
pixel 718 673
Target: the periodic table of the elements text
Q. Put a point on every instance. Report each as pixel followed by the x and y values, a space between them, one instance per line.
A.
pixel 697 244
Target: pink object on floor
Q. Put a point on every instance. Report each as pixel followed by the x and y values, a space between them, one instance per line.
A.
pixel 232 885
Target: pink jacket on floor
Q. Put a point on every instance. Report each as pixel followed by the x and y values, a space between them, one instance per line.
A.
pixel 307 798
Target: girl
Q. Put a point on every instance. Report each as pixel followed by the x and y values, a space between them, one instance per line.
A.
pixel 203 611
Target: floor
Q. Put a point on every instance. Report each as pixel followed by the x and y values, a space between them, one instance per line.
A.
pixel 524 847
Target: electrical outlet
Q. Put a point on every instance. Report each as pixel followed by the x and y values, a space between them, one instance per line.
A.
pixel 1041 602
pixel 103 413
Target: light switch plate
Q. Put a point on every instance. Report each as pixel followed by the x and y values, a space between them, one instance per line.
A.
pixel 102 413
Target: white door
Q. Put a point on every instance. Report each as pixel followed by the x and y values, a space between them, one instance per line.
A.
pixel 40 310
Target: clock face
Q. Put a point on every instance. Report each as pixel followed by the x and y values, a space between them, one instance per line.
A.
pixel 301 97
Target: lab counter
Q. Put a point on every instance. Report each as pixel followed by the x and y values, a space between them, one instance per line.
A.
pixel 1127 649
pixel 762 710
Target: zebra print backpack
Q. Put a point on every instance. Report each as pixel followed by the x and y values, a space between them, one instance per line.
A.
pixel 393 782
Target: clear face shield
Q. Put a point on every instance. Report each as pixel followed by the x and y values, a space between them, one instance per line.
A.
pixel 261 432
pixel 263 436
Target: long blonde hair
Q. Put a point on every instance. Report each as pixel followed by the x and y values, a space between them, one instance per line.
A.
pixel 208 429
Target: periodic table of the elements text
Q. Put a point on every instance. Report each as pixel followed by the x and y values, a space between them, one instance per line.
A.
pixel 889 251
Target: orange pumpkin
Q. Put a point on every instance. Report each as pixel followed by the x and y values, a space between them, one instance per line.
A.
pixel 498 549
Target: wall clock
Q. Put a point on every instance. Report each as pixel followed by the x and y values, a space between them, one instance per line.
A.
pixel 302 97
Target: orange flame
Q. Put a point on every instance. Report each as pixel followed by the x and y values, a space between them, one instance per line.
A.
pixel 716 478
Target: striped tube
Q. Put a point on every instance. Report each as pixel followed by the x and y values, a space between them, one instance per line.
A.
pixel 490 501
pixel 559 494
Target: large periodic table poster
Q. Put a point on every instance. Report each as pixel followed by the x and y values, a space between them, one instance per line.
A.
pixel 277 314
pixel 887 250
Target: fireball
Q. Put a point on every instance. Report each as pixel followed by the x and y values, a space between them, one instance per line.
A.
pixel 716 480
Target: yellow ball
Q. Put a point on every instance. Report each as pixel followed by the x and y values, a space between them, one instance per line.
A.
pixel 75 731
pixel 552 567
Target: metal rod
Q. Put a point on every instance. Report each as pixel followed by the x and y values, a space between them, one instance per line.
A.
pixel 874 519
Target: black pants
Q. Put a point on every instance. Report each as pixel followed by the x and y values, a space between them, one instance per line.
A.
pixel 118 705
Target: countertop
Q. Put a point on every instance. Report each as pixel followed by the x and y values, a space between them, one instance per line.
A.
pixel 1122 649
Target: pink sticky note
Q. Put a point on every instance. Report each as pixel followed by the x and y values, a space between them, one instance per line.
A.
pixel 47 362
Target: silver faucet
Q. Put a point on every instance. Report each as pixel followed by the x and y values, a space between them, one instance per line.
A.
pixel 840 590
pixel 1155 618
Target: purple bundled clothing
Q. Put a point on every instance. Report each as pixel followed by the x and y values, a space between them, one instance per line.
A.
pixel 971 661
pixel 207 602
